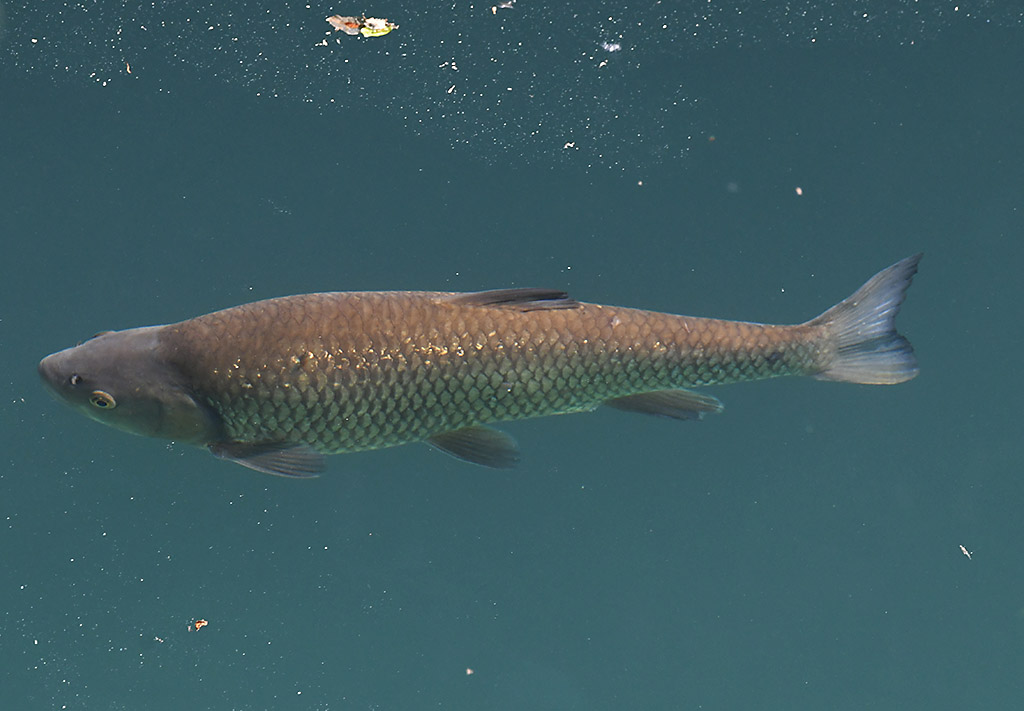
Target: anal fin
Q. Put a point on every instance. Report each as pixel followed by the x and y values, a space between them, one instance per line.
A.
pixel 677 404
pixel 291 460
pixel 479 445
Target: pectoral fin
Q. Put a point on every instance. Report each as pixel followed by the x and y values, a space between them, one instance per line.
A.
pixel 289 460
pixel 677 404
pixel 480 445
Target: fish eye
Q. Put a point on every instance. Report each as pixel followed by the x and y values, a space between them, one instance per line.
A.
pixel 75 379
pixel 102 400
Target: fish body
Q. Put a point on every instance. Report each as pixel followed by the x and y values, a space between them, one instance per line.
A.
pixel 276 384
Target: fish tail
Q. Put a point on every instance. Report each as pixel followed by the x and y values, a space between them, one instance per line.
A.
pixel 867 347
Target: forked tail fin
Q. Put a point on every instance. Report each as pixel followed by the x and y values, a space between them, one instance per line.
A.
pixel 863 328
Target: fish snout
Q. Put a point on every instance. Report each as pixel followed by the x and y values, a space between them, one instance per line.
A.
pixel 47 370
pixel 52 375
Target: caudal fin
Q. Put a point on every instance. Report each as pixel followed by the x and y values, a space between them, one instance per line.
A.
pixel 868 348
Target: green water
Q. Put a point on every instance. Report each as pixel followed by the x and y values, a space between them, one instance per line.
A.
pixel 798 551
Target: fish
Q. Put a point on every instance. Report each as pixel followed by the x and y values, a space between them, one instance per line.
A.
pixel 275 385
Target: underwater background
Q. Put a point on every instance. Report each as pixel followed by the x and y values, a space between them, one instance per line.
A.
pixel 734 160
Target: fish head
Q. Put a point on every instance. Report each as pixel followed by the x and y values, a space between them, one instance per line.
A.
pixel 120 378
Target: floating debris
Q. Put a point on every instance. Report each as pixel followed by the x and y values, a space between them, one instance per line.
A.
pixel 365 26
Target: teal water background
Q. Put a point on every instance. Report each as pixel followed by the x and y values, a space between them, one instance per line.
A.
pixel 798 551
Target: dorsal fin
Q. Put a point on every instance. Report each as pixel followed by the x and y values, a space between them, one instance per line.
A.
pixel 528 299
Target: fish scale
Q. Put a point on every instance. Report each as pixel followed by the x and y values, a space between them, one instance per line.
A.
pixel 275 384
pixel 367 370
